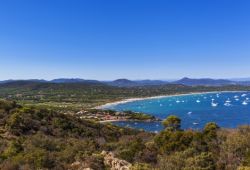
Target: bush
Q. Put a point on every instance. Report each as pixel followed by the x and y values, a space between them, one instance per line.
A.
pixel 172 123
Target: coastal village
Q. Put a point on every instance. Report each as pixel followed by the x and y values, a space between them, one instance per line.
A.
pixel 110 115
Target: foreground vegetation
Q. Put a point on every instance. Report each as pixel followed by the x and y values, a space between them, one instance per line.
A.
pixel 35 138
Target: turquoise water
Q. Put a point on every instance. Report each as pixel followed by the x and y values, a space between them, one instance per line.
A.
pixel 227 109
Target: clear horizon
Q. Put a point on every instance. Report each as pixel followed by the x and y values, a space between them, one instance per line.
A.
pixel 108 40
pixel 166 79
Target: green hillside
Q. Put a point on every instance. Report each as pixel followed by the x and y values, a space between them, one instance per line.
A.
pixel 86 95
pixel 34 138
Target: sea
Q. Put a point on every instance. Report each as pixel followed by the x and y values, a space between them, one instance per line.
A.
pixel 227 109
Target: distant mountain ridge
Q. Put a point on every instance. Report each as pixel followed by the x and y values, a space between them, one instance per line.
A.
pixel 73 80
pixel 29 80
pixel 123 83
pixel 204 82
pixel 152 82
pixel 134 83
pixel 240 79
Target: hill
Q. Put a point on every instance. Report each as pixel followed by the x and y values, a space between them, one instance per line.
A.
pixel 74 96
pixel 134 83
pixel 33 138
pixel 151 82
pixel 123 83
pixel 204 82
pixel 74 80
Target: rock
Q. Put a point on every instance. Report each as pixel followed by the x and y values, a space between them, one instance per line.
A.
pixel 115 163
pixel 78 166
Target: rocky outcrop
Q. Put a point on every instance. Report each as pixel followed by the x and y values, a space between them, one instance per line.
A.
pixel 115 163
pixel 108 160
pixel 79 166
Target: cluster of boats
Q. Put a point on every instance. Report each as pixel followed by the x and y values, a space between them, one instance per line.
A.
pixel 228 102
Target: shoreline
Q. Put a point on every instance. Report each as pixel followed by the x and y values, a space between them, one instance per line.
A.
pixel 107 105
pixel 127 120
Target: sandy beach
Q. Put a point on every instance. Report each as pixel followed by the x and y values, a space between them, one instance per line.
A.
pixel 107 105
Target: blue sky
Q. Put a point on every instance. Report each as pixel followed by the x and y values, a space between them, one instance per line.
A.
pixel 135 39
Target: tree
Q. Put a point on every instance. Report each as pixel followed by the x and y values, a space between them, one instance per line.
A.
pixel 172 123
pixel 211 126
pixel 210 130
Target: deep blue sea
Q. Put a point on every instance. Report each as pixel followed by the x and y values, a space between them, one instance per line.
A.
pixel 227 109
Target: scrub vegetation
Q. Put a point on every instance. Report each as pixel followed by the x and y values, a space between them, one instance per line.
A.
pixel 35 138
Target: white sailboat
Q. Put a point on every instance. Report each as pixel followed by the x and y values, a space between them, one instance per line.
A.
pixel 227 104
pixel 214 104
pixel 244 103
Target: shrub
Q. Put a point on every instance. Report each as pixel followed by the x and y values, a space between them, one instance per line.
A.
pixel 172 123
